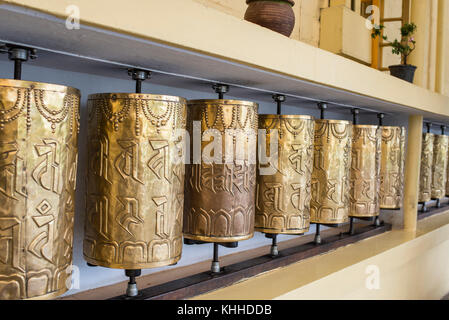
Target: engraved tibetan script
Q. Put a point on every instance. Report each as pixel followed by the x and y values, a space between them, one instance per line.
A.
pixel 46 174
pixel 127 162
pixel 12 180
pixel 159 162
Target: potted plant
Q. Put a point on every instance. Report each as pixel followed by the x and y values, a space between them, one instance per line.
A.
pixel 277 15
pixel 404 48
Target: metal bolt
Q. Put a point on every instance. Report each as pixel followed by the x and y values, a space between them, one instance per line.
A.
pixel 138 74
pixel 220 89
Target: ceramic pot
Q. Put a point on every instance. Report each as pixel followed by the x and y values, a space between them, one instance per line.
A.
pixel 404 72
pixel 276 15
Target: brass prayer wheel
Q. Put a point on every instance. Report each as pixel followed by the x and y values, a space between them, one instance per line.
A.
pixel 439 166
pixel 135 180
pixel 39 126
pixel 425 177
pixel 331 172
pixel 283 198
pixel 220 193
pixel 392 167
pixel 365 171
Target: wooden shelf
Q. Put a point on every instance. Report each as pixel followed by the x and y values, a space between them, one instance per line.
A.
pixel 185 38
pixel 296 246
pixel 401 256
pixel 392 250
pixel 205 282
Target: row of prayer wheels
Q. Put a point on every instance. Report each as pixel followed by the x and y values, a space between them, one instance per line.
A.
pixel 434 182
pixel 150 182
pixel 136 212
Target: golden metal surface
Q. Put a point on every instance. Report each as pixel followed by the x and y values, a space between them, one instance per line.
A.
pixel 220 198
pixel 439 166
pixel 283 198
pixel 392 167
pixel 365 171
pixel 331 172
pixel 425 177
pixel 135 189
pixel 39 126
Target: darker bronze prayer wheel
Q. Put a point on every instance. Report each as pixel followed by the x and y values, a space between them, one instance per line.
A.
pixel 439 166
pixel 221 179
pixel 283 195
pixel 135 180
pixel 39 126
pixel 392 167
pixel 331 172
pixel 425 177
pixel 365 171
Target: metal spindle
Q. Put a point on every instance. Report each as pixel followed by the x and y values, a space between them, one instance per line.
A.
pixel 355 116
pixel 279 99
pixel 215 268
pixel 139 76
pixel 381 116
pixel 220 89
pixel 131 290
pixel 19 55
